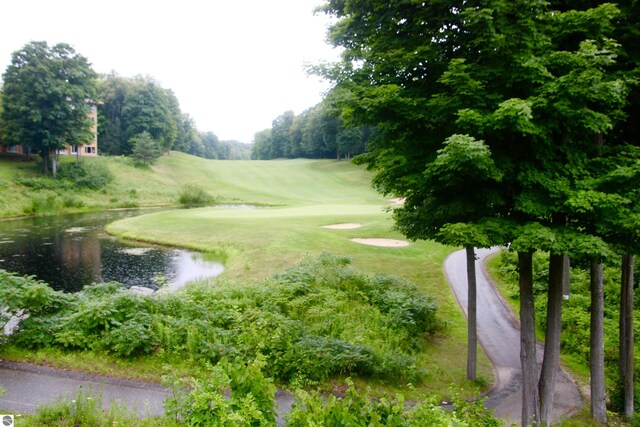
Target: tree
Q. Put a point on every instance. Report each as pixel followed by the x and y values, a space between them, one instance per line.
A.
pixel 211 145
pixel 112 93
pixel 151 108
pixel 527 80
pixel 47 90
pixel 188 139
pixel 145 149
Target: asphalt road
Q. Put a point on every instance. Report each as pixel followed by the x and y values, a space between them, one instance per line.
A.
pixel 499 336
pixel 28 386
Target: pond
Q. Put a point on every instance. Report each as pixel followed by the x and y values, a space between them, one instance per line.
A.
pixel 71 251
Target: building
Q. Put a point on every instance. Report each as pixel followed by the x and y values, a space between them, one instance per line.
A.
pixel 90 148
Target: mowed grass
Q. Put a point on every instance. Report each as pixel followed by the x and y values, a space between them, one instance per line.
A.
pixel 276 182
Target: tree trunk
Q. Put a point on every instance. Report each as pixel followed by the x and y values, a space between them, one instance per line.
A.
pixel 550 362
pixel 54 164
pixel 26 153
pixel 598 394
pixel 626 333
pixel 472 333
pixel 566 277
pixel 45 161
pixel 528 362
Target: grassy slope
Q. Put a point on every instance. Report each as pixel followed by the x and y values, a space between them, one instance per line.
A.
pixel 305 194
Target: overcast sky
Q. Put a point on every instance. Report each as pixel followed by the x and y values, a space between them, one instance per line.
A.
pixel 234 65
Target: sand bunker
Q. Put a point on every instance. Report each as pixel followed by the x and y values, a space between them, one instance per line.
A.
pixel 386 243
pixel 345 226
pixel 397 201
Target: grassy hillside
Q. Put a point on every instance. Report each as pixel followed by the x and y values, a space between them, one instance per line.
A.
pixel 278 182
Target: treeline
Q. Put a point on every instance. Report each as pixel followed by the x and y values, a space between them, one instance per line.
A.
pixel 317 133
pixel 131 106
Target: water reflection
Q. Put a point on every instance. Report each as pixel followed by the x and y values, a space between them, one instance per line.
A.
pixel 71 251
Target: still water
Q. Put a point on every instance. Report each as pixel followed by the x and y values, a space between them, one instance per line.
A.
pixel 71 251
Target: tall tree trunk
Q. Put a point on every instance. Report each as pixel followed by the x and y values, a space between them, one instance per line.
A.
pixel 626 333
pixel 598 396
pixel 45 161
pixel 550 362
pixel 26 153
pixel 472 333
pixel 54 164
pixel 566 278
pixel 528 362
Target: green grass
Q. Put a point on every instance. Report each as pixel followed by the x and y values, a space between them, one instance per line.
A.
pixel 277 182
pixel 301 196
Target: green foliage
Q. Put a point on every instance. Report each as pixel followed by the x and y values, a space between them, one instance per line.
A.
pixel 39 183
pixel 318 132
pixel 147 107
pixel 45 95
pixel 356 409
pixel 86 410
pixel 44 203
pixel 250 403
pixel 145 150
pixel 316 320
pixel 195 195
pixel 93 176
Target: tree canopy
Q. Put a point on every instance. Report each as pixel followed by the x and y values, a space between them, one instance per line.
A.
pixel 47 95
pixel 318 133
pixel 493 120
pixel 131 106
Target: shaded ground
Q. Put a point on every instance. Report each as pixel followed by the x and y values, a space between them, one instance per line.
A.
pixel 499 335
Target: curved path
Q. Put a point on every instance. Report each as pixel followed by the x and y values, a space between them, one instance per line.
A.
pixel 499 335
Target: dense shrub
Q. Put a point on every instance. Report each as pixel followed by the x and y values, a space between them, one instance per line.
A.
pixel 40 183
pixel 44 203
pixel 356 409
pixel 194 195
pixel 92 175
pixel 318 319
pixel 250 403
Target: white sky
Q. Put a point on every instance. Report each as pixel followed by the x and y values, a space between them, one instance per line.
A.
pixel 234 65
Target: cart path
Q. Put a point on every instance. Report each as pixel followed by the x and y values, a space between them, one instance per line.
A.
pixel 499 336
pixel 28 386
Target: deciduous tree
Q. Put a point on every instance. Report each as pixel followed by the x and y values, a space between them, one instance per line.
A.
pixel 46 93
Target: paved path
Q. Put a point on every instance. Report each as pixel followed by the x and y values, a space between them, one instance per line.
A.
pixel 28 386
pixel 499 335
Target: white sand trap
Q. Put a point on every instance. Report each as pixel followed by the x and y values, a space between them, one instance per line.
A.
pixel 386 243
pixel 397 201
pixel 345 226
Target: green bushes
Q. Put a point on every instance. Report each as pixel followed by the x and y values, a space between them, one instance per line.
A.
pixel 92 176
pixel 356 409
pixel 317 320
pixel 194 195
pixel 250 403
